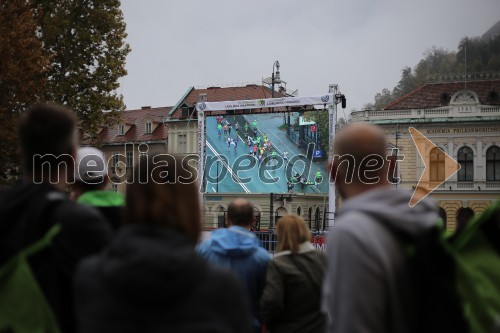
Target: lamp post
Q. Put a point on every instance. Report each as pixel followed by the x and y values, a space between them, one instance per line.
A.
pixel 397 153
pixel 275 78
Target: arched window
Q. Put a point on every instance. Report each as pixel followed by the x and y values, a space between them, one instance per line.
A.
pixel 437 165
pixel 466 160
pixel 463 216
pixel 256 213
pixel 281 211
pixel 221 217
pixel 309 217
pixel 317 219
pixel 299 211
pixel 442 215
pixel 493 164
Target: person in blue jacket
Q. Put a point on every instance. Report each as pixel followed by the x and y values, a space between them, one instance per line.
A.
pixel 238 249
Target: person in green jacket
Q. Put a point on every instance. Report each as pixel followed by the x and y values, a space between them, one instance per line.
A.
pixel 89 186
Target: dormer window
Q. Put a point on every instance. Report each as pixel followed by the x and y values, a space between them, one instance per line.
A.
pixel 121 129
pixel 148 128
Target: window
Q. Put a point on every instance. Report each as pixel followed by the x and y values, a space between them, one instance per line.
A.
pixel 115 160
pixel 493 164
pixel 442 215
pixel 299 211
pixel 149 128
pixel 130 159
pixel 182 143
pixel 121 129
pixel 463 217
pixel 437 165
pixel 466 160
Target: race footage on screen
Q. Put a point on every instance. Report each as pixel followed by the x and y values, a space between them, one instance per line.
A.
pixel 260 153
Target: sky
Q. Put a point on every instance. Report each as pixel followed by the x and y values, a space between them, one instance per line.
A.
pixel 361 45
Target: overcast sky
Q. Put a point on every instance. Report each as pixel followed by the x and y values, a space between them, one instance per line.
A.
pixel 360 44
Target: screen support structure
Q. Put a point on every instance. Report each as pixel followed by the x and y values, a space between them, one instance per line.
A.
pixel 332 117
pixel 204 108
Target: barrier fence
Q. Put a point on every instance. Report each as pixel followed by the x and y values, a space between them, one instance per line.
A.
pixel 264 226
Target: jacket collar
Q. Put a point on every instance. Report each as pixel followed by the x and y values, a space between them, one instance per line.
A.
pixel 303 248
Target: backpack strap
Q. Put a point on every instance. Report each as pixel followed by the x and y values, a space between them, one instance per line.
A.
pixel 42 243
pixel 53 199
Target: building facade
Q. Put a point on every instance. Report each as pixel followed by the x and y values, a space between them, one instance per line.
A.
pixel 463 120
pixel 138 131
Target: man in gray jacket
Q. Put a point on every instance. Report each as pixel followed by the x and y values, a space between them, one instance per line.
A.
pixel 368 287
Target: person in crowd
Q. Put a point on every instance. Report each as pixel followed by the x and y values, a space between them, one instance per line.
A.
pixel 318 177
pixel 235 141
pixel 219 129
pixel 29 210
pixel 91 179
pixel 291 300
pixel 151 279
pixel 238 249
pixel 369 287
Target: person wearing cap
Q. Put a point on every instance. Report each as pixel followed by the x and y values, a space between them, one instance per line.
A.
pixel 90 181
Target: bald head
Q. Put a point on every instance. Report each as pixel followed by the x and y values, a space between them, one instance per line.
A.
pixel 360 154
pixel 240 213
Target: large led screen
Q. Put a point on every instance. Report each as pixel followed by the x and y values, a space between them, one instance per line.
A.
pixel 266 153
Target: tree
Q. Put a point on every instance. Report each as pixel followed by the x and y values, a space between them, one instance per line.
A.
pixel 483 55
pixel 406 84
pixel 383 98
pixel 323 122
pixel 23 66
pixel 86 39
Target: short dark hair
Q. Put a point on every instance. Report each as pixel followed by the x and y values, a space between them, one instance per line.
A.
pixel 156 197
pixel 46 129
pixel 240 212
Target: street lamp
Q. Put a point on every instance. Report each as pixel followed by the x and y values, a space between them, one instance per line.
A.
pixel 275 78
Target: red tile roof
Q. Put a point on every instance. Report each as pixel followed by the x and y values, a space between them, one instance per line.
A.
pixel 216 94
pixel 430 95
pixel 136 119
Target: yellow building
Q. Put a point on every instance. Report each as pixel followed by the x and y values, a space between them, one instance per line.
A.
pixel 463 120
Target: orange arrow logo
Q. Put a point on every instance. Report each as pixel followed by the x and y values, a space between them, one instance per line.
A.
pixel 438 166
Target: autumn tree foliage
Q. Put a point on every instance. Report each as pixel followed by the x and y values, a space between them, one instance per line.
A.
pixel 86 40
pixel 474 56
pixel 23 69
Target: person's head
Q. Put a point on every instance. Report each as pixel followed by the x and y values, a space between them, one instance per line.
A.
pixel 292 231
pixel 91 173
pixel 164 193
pixel 47 143
pixel 240 213
pixel 359 162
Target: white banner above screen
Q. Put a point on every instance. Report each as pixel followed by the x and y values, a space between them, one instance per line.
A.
pixel 265 103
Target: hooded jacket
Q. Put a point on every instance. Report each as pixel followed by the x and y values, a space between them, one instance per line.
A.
pixel 369 287
pixel 109 203
pixel 239 250
pixel 27 212
pixel 150 279
pixel 291 299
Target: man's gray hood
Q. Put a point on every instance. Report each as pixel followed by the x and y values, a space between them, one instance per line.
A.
pixel 392 207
